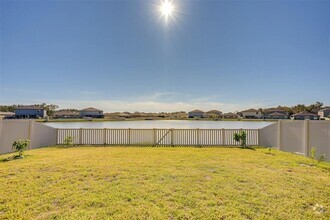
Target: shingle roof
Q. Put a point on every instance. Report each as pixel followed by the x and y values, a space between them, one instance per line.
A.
pixel 214 112
pixel 277 114
pixel 196 111
pixel 90 109
pixel 251 110
pixel 230 114
pixel 305 114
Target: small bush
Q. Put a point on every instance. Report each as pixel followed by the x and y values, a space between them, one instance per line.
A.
pixel 19 146
pixel 68 141
pixel 241 137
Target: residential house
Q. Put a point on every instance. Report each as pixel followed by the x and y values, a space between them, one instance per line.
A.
pixel 213 114
pixel 305 115
pixel 196 114
pixel 324 113
pixel 91 112
pixel 65 113
pixel 30 112
pixel 275 114
pixel 230 115
pixel 251 113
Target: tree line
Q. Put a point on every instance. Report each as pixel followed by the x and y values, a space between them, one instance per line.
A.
pixel 313 108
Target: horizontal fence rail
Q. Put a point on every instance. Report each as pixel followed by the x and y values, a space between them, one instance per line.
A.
pixel 160 137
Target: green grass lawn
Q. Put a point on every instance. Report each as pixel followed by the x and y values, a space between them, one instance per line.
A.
pixel 162 183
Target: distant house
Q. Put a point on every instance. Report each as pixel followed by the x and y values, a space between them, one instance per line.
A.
pixel 66 114
pixel 276 114
pixel 7 115
pixel 196 114
pixel 213 114
pixel 324 113
pixel 305 115
pixel 30 112
pixel 251 113
pixel 230 115
pixel 91 112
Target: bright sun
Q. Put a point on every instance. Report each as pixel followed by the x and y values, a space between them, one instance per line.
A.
pixel 166 8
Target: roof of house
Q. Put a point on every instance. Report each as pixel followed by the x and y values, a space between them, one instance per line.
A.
pixel 250 110
pixel 305 114
pixel 214 112
pixel 196 111
pixel 230 114
pixel 277 114
pixel 33 107
pixel 90 109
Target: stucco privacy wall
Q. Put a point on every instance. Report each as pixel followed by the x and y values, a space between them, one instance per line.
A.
pixel 39 134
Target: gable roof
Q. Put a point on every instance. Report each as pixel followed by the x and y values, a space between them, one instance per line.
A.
pixel 196 111
pixel 214 112
pixel 277 114
pixel 230 114
pixel 91 109
pixel 251 110
pixel 305 114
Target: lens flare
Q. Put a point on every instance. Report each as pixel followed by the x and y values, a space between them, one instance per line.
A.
pixel 166 9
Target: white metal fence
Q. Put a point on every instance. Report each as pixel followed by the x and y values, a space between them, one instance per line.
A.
pixel 178 137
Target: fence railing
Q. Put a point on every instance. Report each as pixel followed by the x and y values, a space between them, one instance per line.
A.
pixel 179 137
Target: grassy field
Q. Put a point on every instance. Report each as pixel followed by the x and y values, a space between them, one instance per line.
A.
pixel 163 183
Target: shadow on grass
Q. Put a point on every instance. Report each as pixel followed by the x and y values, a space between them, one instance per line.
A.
pixel 16 157
pixel 247 148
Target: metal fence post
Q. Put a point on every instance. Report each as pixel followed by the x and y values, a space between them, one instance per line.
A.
pixel 129 136
pixel 223 137
pixel 105 136
pixel 80 136
pixel 198 137
pixel 171 136
pixel 155 136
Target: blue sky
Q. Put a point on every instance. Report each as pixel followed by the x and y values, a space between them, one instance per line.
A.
pixel 122 56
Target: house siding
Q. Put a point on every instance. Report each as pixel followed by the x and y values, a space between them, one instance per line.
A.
pixel 93 114
pixel 30 113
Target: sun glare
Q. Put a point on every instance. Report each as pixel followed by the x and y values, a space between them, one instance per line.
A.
pixel 166 8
